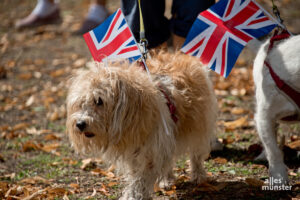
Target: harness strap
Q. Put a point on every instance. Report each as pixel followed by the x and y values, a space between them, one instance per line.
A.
pixel 277 37
pixel 170 104
pixel 284 87
pixel 288 90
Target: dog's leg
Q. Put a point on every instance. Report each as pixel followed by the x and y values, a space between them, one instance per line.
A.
pixel 262 156
pixel 139 188
pixel 141 177
pixel 266 126
pixel 168 180
pixel 198 172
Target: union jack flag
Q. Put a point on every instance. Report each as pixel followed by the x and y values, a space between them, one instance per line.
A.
pixel 220 33
pixel 112 40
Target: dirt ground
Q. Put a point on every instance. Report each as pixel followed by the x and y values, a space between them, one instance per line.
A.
pixel 36 160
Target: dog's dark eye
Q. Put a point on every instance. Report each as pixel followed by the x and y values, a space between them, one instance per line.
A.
pixel 98 101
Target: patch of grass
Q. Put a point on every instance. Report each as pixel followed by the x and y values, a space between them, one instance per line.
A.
pixel 38 109
pixel 237 168
pixel 16 143
pixel 22 174
pixel 56 127
pixel 181 163
pixel 65 150
pixel 113 196
pixel 42 164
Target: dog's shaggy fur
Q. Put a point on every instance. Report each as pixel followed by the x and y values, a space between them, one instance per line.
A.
pixel 134 127
pixel 272 104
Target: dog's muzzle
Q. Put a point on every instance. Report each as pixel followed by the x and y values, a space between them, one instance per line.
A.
pixel 81 125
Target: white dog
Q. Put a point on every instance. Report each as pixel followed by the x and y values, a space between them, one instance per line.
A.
pixel 273 105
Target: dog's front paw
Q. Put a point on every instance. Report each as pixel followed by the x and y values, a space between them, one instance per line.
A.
pixel 133 194
pixel 279 172
pixel 167 183
pixel 125 197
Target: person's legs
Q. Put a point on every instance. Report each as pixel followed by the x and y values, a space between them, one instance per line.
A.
pixel 157 29
pixel 96 15
pixel 184 13
pixel 45 12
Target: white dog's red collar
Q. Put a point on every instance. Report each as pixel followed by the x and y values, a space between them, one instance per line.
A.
pixel 293 94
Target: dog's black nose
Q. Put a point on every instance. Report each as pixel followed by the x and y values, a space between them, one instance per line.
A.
pixel 81 125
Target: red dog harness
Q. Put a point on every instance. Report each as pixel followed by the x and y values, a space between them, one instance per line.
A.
pixel 170 104
pixel 284 87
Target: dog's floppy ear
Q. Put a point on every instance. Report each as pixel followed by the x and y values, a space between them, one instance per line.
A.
pixel 127 103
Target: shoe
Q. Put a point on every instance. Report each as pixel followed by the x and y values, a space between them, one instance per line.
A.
pixel 34 20
pixel 86 26
pixel 96 15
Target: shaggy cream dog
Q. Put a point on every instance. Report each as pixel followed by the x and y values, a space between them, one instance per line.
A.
pixel 120 113
pixel 272 104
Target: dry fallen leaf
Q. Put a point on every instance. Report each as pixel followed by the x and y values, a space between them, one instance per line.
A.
pixel 20 126
pixel 3 72
pixel 238 111
pixel 79 62
pixel 30 101
pixel 86 163
pixel 57 73
pixel 292 173
pixel 93 194
pixel 223 85
pixel 257 166
pixel 294 145
pixel 35 194
pixel 51 137
pixel 220 160
pixel 1 158
pixel 50 147
pixel 57 192
pixel 254 182
pixel 40 61
pixel 232 125
pixel 206 187
pixel 3 188
pixel 65 197
pixel 74 185
pixel 69 161
pixel 25 76
pixel 34 180
pixel 54 116
pixel 170 192
pixel 29 146
pixel 221 186
pixel 104 190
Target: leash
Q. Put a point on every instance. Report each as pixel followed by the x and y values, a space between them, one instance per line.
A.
pixel 276 12
pixel 143 41
pixel 143 44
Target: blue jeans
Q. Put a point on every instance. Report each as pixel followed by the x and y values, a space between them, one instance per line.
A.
pixel 157 27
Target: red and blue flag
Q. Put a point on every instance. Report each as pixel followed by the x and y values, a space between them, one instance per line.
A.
pixel 220 33
pixel 112 40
